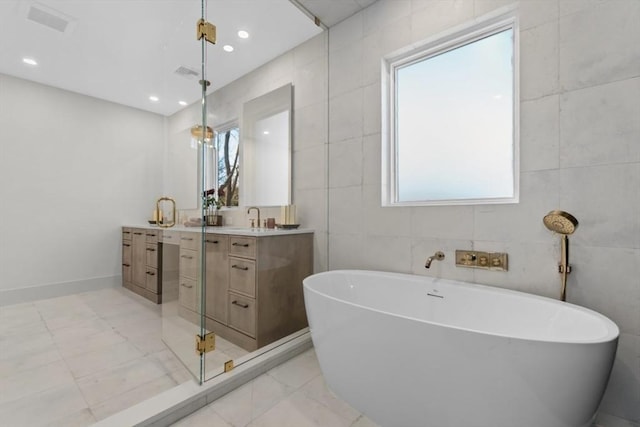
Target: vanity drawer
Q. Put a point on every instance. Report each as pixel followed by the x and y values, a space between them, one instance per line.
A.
pixel 151 236
pixel 242 246
pixel 188 294
pixel 126 252
pixel 151 283
pixel 242 276
pixel 126 233
pixel 171 237
pixel 242 314
pixel 152 255
pixel 190 241
pixel 188 263
pixel 126 273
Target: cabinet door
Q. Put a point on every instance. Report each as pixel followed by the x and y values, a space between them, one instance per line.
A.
pixel 126 261
pixel 139 258
pixel 217 279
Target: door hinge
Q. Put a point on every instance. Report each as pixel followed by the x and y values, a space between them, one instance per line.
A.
pixel 207 30
pixel 206 344
pixel 228 365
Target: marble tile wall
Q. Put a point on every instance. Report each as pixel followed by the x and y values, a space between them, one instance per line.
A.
pixel 580 152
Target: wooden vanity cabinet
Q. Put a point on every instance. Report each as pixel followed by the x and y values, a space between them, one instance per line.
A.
pixel 142 262
pixel 254 287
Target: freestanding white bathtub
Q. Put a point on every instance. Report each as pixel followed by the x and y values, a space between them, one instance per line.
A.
pixel 412 351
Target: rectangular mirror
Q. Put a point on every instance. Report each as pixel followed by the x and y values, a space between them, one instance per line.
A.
pixel 265 149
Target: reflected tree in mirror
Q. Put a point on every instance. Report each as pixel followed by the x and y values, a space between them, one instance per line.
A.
pixel 226 141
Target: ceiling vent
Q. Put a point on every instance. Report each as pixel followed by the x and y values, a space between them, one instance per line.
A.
pixel 50 18
pixel 187 72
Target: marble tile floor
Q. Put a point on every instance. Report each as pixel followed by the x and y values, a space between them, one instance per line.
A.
pixel 74 360
pixel 293 394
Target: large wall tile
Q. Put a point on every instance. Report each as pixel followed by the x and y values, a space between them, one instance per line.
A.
pixel 310 126
pixel 587 56
pixel 345 251
pixel 371 163
pixel 439 16
pixel 311 50
pixel 310 83
pixel 446 222
pixel 536 12
pixel 539 61
pixel 384 13
pixel 601 124
pixel 345 158
pixel 345 68
pixel 345 116
pixel 606 202
pixel 387 253
pixel 539 134
pixel 521 221
pixel 381 43
pixel 309 168
pixel 372 109
pixel 623 393
pixel 384 221
pixel 607 280
pixel 346 32
pixel 345 210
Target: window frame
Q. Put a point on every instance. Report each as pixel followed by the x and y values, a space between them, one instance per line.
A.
pixel 434 46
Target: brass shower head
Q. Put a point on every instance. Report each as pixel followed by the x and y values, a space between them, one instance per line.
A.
pixel 560 222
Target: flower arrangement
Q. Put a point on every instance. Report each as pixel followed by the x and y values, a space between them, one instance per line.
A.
pixel 211 200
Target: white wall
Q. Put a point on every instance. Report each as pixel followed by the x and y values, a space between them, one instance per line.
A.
pixel 580 152
pixel 73 170
pixel 306 68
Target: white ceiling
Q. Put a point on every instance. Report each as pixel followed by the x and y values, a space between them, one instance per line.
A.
pixel 126 50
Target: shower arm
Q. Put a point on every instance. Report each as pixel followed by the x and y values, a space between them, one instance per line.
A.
pixel 564 268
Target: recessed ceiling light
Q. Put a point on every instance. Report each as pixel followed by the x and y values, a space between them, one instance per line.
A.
pixel 30 61
pixel 266 132
pixel 154 98
pixel 183 103
pixel 243 34
pixel 227 48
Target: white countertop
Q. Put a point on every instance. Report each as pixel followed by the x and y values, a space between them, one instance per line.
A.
pixel 238 231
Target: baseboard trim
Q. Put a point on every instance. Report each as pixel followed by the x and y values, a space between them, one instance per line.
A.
pixel 172 405
pixel 53 290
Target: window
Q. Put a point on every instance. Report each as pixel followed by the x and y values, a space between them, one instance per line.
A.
pixel 226 142
pixel 452 120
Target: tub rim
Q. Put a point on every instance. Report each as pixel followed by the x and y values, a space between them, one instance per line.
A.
pixel 612 329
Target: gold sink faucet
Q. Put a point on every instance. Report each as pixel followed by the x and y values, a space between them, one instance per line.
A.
pixel 258 210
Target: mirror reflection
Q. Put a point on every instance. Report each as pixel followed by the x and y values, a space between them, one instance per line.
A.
pixel 266 149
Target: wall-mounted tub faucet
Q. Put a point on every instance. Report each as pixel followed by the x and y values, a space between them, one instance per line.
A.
pixel 438 256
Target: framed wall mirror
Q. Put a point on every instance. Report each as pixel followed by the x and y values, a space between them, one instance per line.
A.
pixel 265 149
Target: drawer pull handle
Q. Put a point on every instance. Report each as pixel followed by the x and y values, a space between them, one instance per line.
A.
pixel 186 238
pixel 150 273
pixel 244 245
pixel 138 234
pixel 126 244
pixel 126 232
pixel 240 304
pixel 187 256
pixel 151 249
pixel 127 265
pixel 186 286
pixel 212 241
pixel 239 267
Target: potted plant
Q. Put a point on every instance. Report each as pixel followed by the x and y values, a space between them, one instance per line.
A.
pixel 211 205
